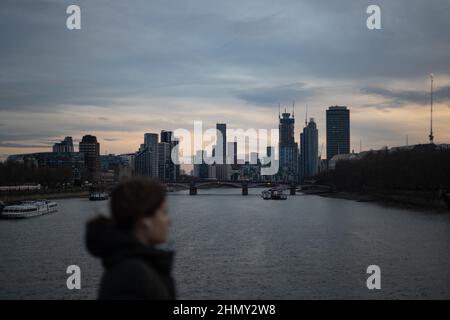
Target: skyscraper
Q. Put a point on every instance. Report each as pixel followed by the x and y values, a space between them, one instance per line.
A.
pixel 309 146
pixel 150 140
pixel 201 169
pixel 338 131
pixel 288 148
pixel 175 166
pixel 164 162
pixel 221 152
pixel 151 144
pixel 232 153
pixel 222 143
pixel 166 136
pixel 171 170
pixel 286 129
pixel 146 160
pixel 91 150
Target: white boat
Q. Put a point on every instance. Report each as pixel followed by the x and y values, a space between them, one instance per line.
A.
pixel 27 209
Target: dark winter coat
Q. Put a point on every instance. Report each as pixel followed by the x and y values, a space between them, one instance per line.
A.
pixel 132 270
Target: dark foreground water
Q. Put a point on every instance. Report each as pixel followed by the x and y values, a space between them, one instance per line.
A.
pixel 234 247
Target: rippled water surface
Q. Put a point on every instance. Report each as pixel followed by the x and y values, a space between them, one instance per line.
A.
pixel 229 246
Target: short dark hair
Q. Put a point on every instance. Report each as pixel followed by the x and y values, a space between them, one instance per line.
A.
pixel 135 198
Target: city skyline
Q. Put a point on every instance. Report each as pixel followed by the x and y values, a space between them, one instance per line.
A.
pixel 145 68
pixel 166 134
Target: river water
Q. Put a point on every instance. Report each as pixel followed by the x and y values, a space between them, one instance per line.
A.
pixel 234 247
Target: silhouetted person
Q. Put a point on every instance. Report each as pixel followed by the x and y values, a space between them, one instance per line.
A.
pixel 134 268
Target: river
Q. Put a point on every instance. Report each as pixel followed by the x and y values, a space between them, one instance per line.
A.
pixel 233 247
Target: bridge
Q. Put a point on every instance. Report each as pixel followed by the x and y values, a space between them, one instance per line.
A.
pixel 293 187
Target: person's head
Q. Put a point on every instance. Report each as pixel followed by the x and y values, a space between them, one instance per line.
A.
pixel 138 206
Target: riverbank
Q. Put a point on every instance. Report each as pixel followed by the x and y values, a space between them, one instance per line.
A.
pixel 400 198
pixel 35 196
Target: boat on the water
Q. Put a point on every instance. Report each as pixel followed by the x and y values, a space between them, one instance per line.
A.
pixel 98 195
pixel 27 209
pixel 273 194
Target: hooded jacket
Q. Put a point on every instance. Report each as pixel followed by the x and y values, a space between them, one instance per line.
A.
pixel 132 270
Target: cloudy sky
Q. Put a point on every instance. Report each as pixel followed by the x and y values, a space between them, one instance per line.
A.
pixel 142 66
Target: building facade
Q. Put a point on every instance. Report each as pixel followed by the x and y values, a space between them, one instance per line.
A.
pixel 309 151
pixel 90 147
pixel 64 146
pixel 154 159
pixel 221 152
pixel 164 162
pixel 146 160
pixel 288 149
pixel 201 170
pixel 73 161
pixel 338 131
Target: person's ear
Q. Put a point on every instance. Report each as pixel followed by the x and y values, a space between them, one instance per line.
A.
pixel 147 224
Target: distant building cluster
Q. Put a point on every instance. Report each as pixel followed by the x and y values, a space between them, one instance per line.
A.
pixel 153 159
pixel 296 163
pixel 305 162
pixel 230 167
pixel 86 165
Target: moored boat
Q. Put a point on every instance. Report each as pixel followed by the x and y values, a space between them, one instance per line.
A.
pixel 98 195
pixel 273 194
pixel 27 209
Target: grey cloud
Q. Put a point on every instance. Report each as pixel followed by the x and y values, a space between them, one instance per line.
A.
pixel 272 96
pixel 170 49
pixel 402 97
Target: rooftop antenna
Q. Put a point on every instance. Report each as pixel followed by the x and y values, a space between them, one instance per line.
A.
pixel 293 108
pixel 431 109
pixel 279 112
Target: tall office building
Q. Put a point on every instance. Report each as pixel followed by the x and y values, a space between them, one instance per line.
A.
pixel 309 154
pixel 166 136
pixel 222 144
pixel 164 162
pixel 64 146
pixel 288 148
pixel 338 131
pixel 168 169
pixel 174 166
pixel 232 153
pixel 146 160
pixel 151 144
pixel 221 152
pixel 91 150
pixel 201 169
pixel 286 129
pixel 150 140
